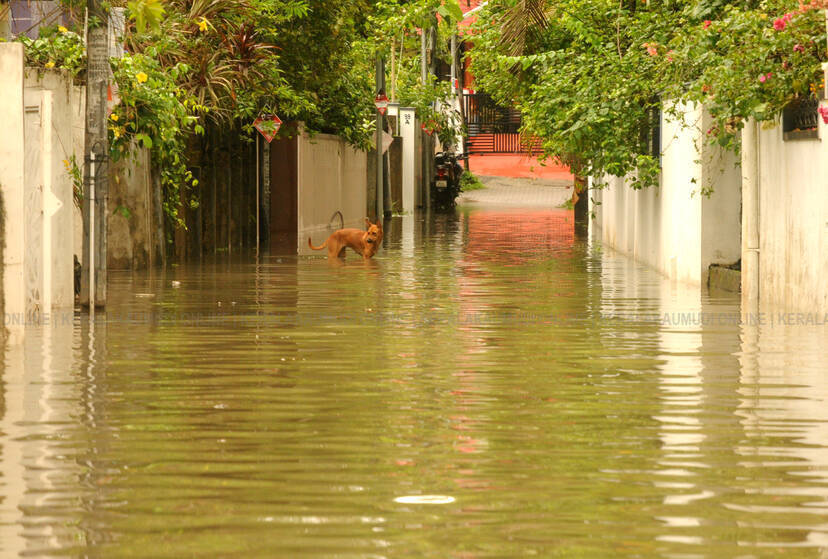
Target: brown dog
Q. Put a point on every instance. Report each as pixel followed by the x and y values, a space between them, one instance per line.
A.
pixel 365 243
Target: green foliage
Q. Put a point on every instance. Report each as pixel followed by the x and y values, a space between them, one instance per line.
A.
pixel 431 101
pixel 194 65
pixel 330 66
pixel 74 171
pixel 234 67
pixel 470 182
pixel 146 13
pixel 123 211
pixel 157 114
pixel 743 67
pixel 57 47
pixel 398 28
pixel 590 76
pixel 450 10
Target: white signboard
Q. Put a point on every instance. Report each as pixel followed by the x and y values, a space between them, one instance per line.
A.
pixel 408 127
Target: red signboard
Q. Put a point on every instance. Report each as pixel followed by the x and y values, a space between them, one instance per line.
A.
pixel 429 127
pixel 381 102
pixel 268 126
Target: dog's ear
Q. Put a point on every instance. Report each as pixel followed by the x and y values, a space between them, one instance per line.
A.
pixel 367 222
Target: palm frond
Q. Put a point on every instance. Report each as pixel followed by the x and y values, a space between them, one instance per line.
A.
pixel 520 21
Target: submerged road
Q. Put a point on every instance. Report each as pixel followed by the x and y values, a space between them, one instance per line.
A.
pixel 490 385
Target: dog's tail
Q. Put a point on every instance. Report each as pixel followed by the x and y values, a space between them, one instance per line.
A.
pixel 323 245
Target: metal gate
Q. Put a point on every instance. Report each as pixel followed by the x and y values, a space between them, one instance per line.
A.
pixel 492 128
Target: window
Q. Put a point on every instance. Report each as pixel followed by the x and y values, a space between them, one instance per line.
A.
pixel 800 119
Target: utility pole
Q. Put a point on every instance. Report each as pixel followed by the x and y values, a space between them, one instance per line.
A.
pixel 423 61
pixel 461 94
pixel 380 77
pixel 96 157
pixel 428 150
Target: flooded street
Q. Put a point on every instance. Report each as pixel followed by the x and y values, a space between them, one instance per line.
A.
pixel 489 385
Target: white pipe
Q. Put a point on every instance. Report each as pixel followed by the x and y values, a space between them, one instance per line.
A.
pixel 257 197
pixel 453 64
pixel 423 65
pixel 750 218
pixel 92 232
pixel 46 198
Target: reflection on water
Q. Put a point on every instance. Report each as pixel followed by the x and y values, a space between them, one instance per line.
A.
pixel 488 386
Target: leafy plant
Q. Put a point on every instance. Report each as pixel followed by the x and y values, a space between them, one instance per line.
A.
pixel 469 182
pixel 751 63
pixel 158 115
pixel 75 173
pixel 591 77
pixel 57 47
pixel 146 14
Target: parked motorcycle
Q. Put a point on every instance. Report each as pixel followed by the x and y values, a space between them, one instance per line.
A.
pixel 445 185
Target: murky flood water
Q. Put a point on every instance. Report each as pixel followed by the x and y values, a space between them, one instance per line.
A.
pixel 488 386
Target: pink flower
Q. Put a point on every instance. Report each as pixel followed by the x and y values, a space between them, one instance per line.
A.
pixel 651 48
pixel 798 48
pixel 669 56
pixel 823 111
pixel 765 77
pixel 707 23
pixel 779 24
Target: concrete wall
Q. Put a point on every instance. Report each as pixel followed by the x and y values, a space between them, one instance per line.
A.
pixel 78 100
pixel 58 84
pixel 129 215
pixel 129 232
pixel 12 175
pixel 331 178
pixel 721 211
pixel 37 190
pixel 395 156
pixel 674 228
pixel 793 220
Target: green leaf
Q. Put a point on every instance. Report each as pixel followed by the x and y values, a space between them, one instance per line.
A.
pixel 123 211
pixel 146 13
pixel 451 10
pixel 144 139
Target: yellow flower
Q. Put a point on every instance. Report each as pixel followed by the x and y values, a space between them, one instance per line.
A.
pixel 141 77
pixel 66 164
pixel 62 29
pixel 763 16
pixel 202 24
pixel 114 117
pixel 116 132
pixel 50 64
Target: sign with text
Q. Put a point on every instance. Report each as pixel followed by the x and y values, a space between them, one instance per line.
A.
pixel 410 158
pixel 381 101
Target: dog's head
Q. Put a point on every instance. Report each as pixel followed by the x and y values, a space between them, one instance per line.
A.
pixel 373 234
